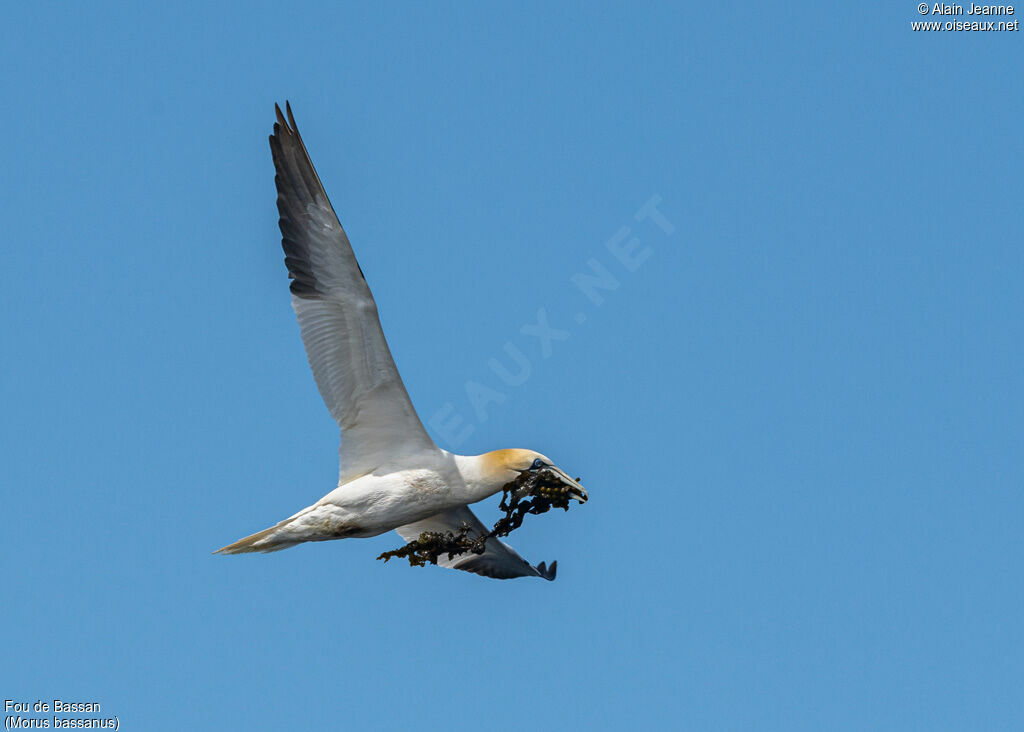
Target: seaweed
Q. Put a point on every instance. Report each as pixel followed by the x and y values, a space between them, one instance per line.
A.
pixel 530 493
pixel 429 545
pixel 534 493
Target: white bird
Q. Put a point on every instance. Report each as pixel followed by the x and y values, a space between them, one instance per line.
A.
pixel 392 475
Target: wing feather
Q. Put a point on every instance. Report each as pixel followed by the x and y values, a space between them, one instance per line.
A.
pixel 499 560
pixel 338 319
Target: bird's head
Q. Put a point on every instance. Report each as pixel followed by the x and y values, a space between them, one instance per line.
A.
pixel 508 465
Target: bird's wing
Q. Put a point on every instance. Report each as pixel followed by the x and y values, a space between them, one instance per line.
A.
pixel 338 319
pixel 499 560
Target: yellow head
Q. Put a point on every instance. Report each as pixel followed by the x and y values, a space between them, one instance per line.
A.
pixel 505 466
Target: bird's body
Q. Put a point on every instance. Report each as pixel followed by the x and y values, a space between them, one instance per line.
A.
pixel 409 489
pixel 392 476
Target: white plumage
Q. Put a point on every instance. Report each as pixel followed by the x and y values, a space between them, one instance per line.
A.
pixel 391 474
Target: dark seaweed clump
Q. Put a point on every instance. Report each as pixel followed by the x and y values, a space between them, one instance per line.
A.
pixel 530 493
pixel 540 492
pixel 429 545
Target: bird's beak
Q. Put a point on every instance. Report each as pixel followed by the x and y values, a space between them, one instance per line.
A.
pixel 575 489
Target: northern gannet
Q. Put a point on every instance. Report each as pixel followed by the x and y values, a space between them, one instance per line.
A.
pixel 392 475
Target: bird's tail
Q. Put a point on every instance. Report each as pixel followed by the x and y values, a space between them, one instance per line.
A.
pixel 273 539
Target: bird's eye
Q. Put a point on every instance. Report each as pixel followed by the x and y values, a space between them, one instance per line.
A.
pixel 537 464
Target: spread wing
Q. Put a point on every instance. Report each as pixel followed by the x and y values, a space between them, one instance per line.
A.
pixel 499 560
pixel 338 319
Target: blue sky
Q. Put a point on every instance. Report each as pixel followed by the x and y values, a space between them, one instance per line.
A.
pixel 798 417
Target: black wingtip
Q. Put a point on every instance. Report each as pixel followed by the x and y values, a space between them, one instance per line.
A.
pixel 547 572
pixel 286 124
